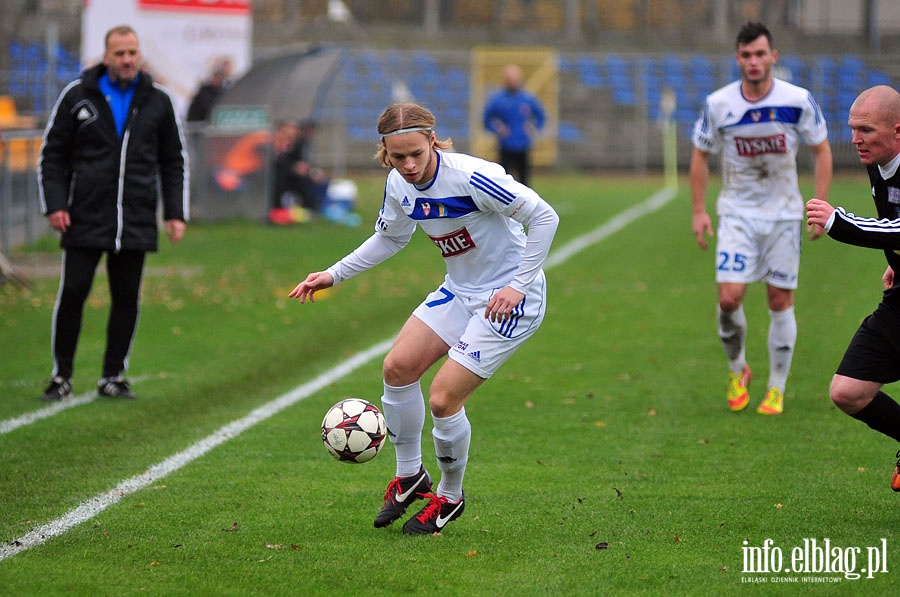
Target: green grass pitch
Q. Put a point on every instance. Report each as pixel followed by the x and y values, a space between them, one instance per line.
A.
pixel 603 459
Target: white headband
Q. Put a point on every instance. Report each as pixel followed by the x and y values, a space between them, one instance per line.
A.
pixel 411 129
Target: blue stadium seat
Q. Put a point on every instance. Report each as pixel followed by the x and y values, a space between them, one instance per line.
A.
pixel 796 71
pixel 589 72
pixel 569 133
pixel 877 77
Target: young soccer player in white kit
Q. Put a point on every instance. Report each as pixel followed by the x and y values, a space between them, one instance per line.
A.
pixel 757 124
pixel 492 299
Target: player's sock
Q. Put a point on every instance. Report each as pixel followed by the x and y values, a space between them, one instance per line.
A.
pixel 451 444
pixel 404 414
pixel 732 332
pixel 782 339
pixel 881 414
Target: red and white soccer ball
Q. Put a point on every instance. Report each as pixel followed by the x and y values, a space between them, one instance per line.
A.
pixel 353 430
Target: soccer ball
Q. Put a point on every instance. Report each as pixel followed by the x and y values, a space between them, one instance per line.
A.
pixel 353 430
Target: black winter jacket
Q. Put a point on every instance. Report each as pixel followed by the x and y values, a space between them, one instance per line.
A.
pixel 111 187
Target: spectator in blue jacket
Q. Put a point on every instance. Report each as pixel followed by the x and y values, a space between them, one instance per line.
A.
pixel 516 117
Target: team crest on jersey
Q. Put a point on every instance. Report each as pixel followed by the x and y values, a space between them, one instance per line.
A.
pixel 772 114
pixel 454 244
pixel 894 195
pixel 755 116
pixel 439 210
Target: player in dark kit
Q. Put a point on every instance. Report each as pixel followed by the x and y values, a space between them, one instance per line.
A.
pixel 873 357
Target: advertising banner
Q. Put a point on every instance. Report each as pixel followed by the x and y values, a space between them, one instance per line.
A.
pixel 181 40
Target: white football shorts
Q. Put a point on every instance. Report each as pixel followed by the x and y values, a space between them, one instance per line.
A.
pixel 478 344
pixel 750 250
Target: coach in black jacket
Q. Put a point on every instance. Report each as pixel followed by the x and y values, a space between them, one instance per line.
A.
pixel 112 148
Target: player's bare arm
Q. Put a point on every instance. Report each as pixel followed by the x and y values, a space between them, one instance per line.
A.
pixel 701 222
pixel 314 282
pixel 823 172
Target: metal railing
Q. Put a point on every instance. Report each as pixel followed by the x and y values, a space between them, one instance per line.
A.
pixel 21 221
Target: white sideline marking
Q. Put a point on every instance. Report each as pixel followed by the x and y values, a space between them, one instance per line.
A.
pixel 48 411
pixel 618 222
pixel 90 508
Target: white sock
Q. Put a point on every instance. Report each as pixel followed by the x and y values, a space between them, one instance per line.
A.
pixel 782 339
pixel 733 332
pixel 451 445
pixel 404 413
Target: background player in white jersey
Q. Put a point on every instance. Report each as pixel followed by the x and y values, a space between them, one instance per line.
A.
pixel 757 124
pixel 491 300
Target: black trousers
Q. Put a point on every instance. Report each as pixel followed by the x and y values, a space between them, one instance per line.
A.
pixel 125 271
pixel 516 163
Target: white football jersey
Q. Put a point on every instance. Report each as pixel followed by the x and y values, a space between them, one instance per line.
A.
pixel 759 142
pixel 472 210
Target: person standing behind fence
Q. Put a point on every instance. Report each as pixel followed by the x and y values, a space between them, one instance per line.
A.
pixel 757 123
pixel 873 357
pixel 515 117
pixel 203 102
pixel 112 146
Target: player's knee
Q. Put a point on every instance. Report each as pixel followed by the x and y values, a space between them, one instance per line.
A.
pixel 780 302
pixel 397 372
pixel 443 401
pixel 729 303
pixel 846 397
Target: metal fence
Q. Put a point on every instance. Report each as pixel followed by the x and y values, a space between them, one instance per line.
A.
pixel 20 218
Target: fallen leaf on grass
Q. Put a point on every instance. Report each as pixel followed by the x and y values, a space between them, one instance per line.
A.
pixel 778 506
pixel 471 553
pixel 274 546
pixel 602 545
pixel 232 529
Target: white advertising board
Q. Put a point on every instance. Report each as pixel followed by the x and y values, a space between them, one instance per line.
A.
pixel 180 39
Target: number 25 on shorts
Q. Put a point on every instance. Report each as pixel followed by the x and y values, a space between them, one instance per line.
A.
pixel 731 263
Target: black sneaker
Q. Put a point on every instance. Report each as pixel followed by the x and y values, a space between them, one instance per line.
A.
pixel 400 493
pixel 115 387
pixel 435 516
pixel 59 388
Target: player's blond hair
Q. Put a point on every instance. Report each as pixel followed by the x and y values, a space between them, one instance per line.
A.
pixel 407 117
